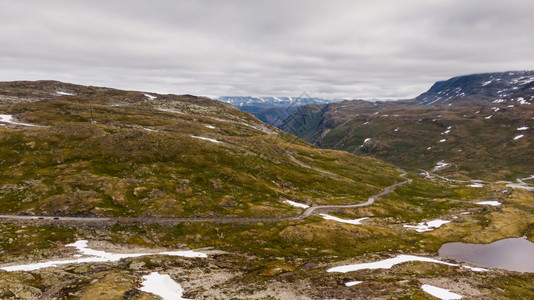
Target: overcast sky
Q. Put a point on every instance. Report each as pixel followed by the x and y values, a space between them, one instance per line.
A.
pixel 349 49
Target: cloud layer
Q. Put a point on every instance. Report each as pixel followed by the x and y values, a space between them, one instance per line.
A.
pixel 351 49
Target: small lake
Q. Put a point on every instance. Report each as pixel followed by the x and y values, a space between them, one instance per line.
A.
pixel 515 254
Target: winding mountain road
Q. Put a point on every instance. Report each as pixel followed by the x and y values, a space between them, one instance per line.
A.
pixel 153 220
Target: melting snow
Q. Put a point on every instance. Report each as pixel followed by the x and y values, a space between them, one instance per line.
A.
pixel 353 222
pixel 475 269
pixel 427 226
pixel 210 127
pixel 296 204
pixel 477 185
pixel 440 293
pixel 365 141
pixel 65 93
pixel 206 139
pixel 522 128
pixel 9 119
pixel 150 97
pixel 488 117
pixel 518 137
pixel 442 140
pixel 352 283
pixel 95 256
pixel 522 100
pixel 162 285
pixel 440 165
pixel 386 263
pixel 492 203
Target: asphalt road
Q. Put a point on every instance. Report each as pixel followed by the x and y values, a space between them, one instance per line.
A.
pixel 153 220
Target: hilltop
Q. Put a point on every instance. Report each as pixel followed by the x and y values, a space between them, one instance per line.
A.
pixel 106 152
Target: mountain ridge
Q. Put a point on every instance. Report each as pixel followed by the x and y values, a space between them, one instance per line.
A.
pixel 498 87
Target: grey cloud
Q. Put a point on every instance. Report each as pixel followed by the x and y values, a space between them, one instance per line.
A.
pixel 354 49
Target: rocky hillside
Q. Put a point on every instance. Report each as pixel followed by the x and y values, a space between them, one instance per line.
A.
pixel 508 87
pixel 468 140
pixel 88 151
pixel 75 150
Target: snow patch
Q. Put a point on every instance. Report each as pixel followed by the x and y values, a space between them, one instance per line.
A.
pixel 442 140
pixel 488 117
pixel 9 119
pixel 296 204
pixel 95 256
pixel 206 139
pixel 352 283
pixel 440 165
pixel 518 137
pixel 65 93
pixel 476 269
pixel 522 128
pixel 476 184
pixel 210 127
pixel 492 203
pixel 353 222
pixel 386 263
pixel 427 226
pixel 150 97
pixel 440 293
pixel 162 285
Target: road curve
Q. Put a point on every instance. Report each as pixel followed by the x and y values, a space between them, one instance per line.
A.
pixel 151 220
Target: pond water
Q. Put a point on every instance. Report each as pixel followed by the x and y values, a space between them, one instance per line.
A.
pixel 515 254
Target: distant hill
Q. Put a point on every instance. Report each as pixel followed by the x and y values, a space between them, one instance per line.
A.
pixel 76 150
pixel 272 110
pixel 505 87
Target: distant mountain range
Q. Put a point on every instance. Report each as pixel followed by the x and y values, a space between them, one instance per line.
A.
pixel 505 87
pixel 272 110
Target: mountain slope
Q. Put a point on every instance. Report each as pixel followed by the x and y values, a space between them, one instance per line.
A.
pixel 489 87
pixel 478 140
pixel 100 151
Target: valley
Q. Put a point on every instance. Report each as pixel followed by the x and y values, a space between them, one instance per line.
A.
pixel 114 181
pixel 464 137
